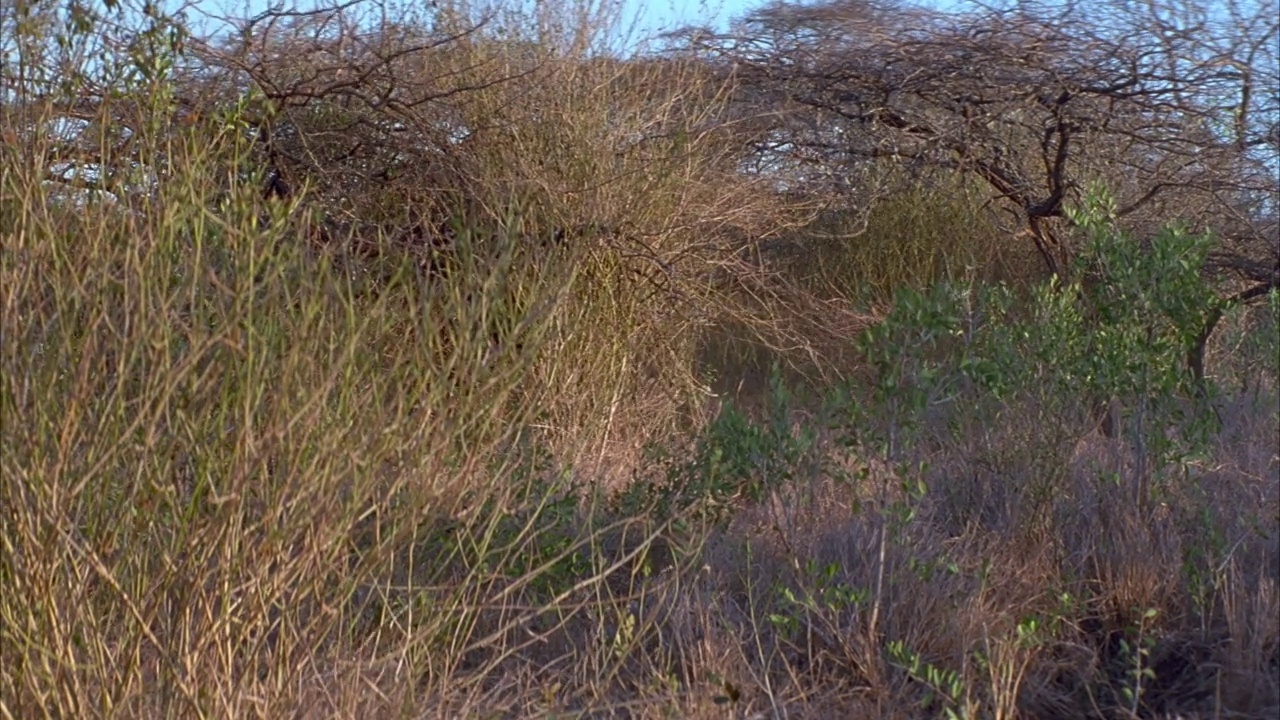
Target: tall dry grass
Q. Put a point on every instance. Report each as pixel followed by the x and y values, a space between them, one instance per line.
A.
pixel 246 474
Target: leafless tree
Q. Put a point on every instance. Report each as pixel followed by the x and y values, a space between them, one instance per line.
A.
pixel 1171 103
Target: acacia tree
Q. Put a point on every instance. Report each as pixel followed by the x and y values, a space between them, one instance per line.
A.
pixel 1172 104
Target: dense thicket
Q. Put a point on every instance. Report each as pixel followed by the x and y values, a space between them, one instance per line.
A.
pixel 484 360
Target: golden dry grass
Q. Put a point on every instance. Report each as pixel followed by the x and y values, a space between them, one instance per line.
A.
pixel 248 476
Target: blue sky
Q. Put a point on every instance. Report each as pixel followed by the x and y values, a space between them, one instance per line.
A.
pixel 653 15
pixel 675 13
pixel 716 13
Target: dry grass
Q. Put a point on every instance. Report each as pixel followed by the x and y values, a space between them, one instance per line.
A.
pixel 246 475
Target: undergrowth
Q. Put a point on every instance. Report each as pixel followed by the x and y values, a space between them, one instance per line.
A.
pixel 249 474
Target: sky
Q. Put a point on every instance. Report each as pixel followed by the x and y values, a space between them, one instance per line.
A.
pixel 656 14
pixel 716 13
pixel 653 15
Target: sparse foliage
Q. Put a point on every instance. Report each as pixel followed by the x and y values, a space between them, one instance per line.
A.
pixel 1169 103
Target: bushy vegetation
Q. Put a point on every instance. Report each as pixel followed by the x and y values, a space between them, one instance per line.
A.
pixel 457 365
